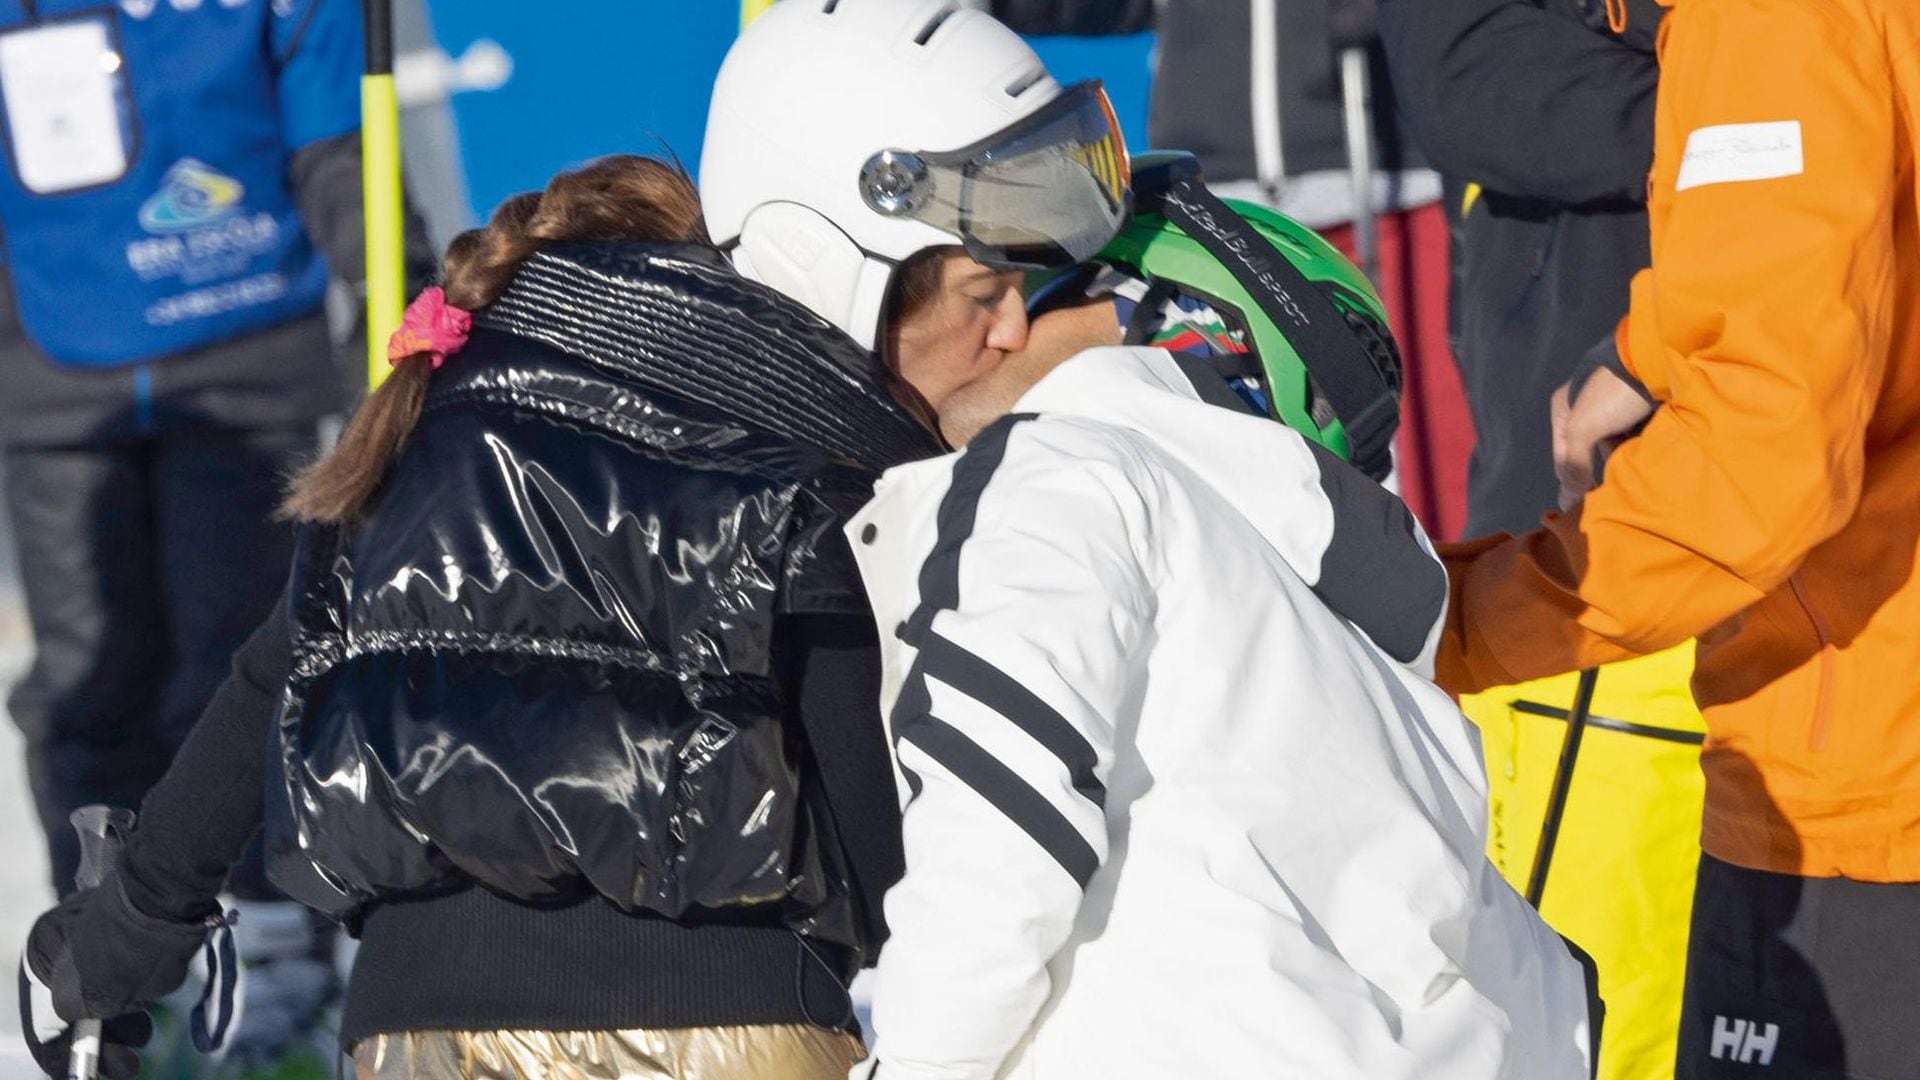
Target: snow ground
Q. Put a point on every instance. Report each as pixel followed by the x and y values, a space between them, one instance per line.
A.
pixel 23 862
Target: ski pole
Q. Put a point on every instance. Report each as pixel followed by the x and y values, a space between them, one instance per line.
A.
pixel 1353 26
pixel 103 831
pixel 751 10
pixel 1354 94
pixel 1562 784
pixel 380 188
pixel 1569 743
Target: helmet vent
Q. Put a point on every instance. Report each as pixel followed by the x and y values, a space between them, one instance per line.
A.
pixel 933 25
pixel 827 8
pixel 1026 82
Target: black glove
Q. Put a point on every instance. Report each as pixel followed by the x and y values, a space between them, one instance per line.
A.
pixel 95 955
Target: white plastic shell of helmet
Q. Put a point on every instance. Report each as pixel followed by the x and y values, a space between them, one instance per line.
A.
pixel 810 92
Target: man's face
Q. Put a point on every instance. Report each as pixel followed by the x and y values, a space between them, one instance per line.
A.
pixel 1051 339
pixel 961 331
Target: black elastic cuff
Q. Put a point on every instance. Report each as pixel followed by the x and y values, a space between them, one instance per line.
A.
pixel 1604 354
pixel 123 911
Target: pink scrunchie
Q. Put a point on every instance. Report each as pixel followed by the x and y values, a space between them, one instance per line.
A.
pixel 431 326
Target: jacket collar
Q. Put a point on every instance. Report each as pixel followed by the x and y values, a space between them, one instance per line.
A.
pixel 678 318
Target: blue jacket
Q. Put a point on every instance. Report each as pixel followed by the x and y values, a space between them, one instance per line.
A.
pixel 200 244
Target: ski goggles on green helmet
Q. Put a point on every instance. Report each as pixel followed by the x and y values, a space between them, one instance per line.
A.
pixel 1045 192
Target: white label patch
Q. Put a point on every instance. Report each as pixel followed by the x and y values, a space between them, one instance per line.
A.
pixel 59 80
pixel 1728 153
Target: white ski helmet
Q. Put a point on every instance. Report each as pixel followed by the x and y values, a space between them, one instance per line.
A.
pixel 846 136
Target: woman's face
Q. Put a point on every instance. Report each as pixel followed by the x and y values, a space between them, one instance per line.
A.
pixel 967 323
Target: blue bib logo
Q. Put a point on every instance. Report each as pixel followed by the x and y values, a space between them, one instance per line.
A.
pixel 191 195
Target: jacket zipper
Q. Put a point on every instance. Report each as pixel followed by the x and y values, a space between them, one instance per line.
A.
pixel 1269 128
pixel 1823 697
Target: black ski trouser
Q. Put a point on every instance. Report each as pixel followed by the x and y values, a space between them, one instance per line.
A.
pixel 1808 978
pixel 145 564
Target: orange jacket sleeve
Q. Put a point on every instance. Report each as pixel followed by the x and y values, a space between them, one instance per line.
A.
pixel 1764 325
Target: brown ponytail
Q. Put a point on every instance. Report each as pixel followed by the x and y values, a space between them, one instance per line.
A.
pixel 623 197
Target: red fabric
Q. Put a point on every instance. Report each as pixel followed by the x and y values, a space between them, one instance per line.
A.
pixel 1436 434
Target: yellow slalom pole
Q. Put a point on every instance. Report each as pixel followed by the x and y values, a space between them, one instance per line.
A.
pixel 751 10
pixel 380 187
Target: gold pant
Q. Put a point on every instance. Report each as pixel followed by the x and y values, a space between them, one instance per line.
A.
pixel 752 1052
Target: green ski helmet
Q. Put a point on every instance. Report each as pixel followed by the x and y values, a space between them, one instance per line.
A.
pixel 1321 347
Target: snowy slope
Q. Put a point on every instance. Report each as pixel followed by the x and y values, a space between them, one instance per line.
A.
pixel 23 861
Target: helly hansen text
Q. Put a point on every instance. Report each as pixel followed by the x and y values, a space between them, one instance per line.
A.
pixel 1745 1041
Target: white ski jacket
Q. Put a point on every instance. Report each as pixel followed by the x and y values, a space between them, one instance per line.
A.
pixel 1180 801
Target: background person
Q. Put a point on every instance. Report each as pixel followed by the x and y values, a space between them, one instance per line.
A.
pixel 1548 109
pixel 1767 509
pixel 1254 89
pixel 185 182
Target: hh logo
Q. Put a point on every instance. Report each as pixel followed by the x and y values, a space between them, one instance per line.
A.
pixel 1745 1041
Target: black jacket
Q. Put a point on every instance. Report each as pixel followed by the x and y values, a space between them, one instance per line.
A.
pixel 1209 56
pixel 1552 115
pixel 547 651
pixel 582 722
pixel 472 960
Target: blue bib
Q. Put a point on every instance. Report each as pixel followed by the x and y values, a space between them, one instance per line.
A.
pixel 199 240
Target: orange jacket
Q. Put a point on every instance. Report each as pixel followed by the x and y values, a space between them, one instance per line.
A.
pixel 1772 505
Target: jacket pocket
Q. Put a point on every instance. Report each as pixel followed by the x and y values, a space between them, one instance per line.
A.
pixel 732 808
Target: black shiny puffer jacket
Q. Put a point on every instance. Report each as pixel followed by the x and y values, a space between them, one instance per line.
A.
pixel 543 662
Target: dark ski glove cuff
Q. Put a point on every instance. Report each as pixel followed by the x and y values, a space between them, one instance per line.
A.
pixel 96 956
pixel 103 957
pixel 1604 354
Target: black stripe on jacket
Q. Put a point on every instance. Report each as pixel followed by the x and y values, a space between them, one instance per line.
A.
pixel 940 658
